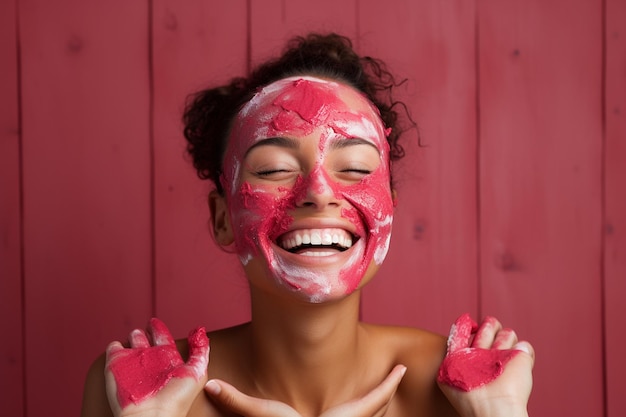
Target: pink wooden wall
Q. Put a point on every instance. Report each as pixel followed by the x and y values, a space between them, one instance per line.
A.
pixel 516 206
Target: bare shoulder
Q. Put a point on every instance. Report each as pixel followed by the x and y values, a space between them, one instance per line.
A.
pixel 422 352
pixel 95 402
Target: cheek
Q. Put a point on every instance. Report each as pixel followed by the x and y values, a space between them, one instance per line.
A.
pixel 372 196
pixel 259 214
pixel 373 207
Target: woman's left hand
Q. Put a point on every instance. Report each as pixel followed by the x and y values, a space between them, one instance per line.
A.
pixel 487 371
pixel 150 378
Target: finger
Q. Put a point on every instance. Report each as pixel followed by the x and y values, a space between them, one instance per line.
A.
pixel 375 402
pixel 138 339
pixel 113 350
pixel 527 348
pixel 110 385
pixel 229 397
pixel 160 333
pixel 461 333
pixel 198 352
pixel 486 333
pixel 505 339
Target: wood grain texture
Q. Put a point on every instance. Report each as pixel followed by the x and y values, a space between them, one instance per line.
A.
pixel 86 189
pixel 195 45
pixel 273 22
pixel 503 211
pixel 615 206
pixel 11 317
pixel 430 275
pixel 540 184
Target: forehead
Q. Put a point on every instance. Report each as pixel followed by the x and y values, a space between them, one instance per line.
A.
pixel 298 105
pixel 310 97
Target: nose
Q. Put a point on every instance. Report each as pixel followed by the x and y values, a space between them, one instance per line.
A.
pixel 316 191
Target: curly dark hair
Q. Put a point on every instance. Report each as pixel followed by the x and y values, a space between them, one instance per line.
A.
pixel 209 113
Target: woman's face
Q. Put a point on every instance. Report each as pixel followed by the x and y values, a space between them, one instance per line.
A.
pixel 307 182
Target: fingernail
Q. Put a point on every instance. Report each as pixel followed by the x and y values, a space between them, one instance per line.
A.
pixel 213 387
pixel 523 347
pixel 403 370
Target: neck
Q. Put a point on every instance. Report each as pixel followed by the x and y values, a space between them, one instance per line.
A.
pixel 303 353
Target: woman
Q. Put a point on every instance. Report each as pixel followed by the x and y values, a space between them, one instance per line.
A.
pixel 300 154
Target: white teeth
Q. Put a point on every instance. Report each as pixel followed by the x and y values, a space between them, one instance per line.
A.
pixel 316 237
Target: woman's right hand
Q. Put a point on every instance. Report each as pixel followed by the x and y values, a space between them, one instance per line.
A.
pixel 373 404
pixel 150 378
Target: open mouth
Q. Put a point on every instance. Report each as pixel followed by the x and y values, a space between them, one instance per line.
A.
pixel 317 242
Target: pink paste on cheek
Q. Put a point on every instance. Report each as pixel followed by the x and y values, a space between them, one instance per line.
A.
pixel 140 373
pixel 260 216
pixel 468 368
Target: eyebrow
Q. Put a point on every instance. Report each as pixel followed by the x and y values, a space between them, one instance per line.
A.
pixel 353 141
pixel 277 141
pixel 290 143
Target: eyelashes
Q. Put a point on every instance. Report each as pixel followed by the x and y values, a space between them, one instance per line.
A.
pixel 270 172
pixel 357 171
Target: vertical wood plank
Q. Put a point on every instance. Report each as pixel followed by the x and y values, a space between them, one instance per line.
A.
pixel 11 319
pixel 540 183
pixel 273 22
pixel 615 206
pixel 86 189
pixel 430 275
pixel 196 45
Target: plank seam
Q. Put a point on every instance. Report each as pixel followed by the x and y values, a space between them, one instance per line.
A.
pixel 20 151
pixel 479 278
pixel 603 146
pixel 248 36
pixel 151 167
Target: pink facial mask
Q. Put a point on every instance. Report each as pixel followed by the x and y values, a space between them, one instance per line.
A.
pixel 261 213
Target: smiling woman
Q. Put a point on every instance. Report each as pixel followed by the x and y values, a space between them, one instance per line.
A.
pixel 300 154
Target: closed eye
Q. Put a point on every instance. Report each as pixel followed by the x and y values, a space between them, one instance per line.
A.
pixel 267 173
pixel 358 171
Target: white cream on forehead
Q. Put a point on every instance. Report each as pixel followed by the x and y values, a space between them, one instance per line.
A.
pixel 263 110
pixel 259 97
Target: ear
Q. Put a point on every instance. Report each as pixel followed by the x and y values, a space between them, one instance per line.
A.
pixel 220 219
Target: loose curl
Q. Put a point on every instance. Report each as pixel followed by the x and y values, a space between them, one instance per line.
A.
pixel 209 113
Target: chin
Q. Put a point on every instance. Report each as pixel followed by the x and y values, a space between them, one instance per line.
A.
pixel 313 279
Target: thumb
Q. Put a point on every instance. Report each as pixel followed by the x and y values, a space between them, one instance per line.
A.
pixel 198 352
pixel 229 397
